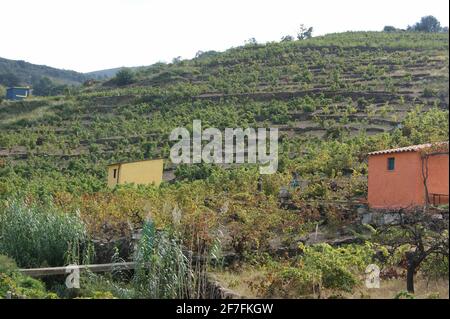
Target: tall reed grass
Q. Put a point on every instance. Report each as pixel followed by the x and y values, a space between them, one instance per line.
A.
pixel 164 268
pixel 39 235
pixel 163 271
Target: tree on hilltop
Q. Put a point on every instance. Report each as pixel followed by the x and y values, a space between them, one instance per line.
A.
pixel 305 32
pixel 124 76
pixel 426 24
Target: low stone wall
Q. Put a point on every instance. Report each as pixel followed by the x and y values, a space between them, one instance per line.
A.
pixel 215 290
pixel 378 217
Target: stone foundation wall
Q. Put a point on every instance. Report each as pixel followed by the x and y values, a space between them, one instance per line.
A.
pixel 215 290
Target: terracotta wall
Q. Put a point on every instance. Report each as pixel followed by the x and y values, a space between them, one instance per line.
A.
pixel 438 176
pixel 401 187
pixel 404 187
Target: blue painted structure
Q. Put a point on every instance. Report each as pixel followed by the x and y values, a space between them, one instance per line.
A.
pixel 17 93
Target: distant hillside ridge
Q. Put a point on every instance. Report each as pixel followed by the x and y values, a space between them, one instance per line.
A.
pixel 18 72
pixel 108 73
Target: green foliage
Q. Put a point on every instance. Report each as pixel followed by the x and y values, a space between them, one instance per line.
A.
pixel 287 38
pixel 328 157
pixel 338 267
pixel 301 282
pixel 304 32
pixel 13 73
pixel 189 172
pixel 404 295
pixel 163 271
pixel 124 77
pixel 426 24
pixel 46 87
pixel 102 286
pixel 334 98
pixel 435 267
pixel 9 79
pixel 320 267
pixel 7 265
pixel 389 28
pixel 18 285
pixel 38 235
pixel 428 92
pixel 431 126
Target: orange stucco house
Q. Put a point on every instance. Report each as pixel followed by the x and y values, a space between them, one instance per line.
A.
pixel 408 177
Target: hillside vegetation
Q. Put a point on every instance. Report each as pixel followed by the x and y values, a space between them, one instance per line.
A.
pixel 334 90
pixel 334 99
pixel 107 73
pixel 14 73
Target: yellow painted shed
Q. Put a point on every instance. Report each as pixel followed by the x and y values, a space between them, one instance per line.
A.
pixel 138 172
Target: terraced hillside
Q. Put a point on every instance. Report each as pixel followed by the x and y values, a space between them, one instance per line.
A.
pixel 330 90
pixel 334 98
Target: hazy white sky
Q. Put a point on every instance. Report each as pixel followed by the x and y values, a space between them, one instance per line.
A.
pixel 88 35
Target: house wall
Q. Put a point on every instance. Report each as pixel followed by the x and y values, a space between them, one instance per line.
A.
pixel 10 94
pixel 401 187
pixel 17 93
pixel 143 172
pixel 111 180
pixel 438 180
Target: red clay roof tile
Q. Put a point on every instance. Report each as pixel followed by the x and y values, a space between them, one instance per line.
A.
pixel 411 148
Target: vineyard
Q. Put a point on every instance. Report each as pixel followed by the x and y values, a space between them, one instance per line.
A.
pixel 333 98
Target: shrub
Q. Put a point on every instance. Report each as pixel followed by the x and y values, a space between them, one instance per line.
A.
pixel 338 267
pixel 124 77
pixel 7 264
pixel 389 28
pixel 18 285
pixel 428 92
pixel 404 295
pixel 424 127
pixel 426 24
pixel 194 172
pixel 435 267
pixel 292 282
pixel 320 266
pixel 308 108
